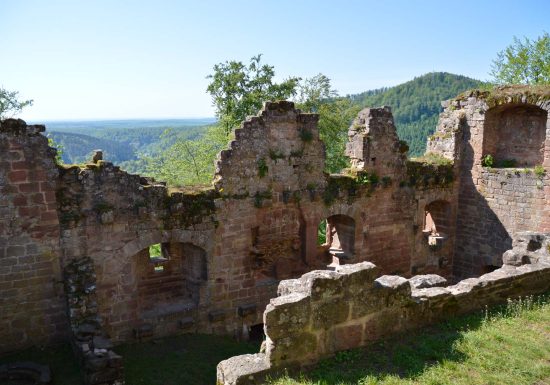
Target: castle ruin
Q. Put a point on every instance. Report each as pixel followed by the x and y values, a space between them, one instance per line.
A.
pixel 75 240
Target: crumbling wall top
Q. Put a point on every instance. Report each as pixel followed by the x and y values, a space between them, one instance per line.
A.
pixel 277 150
pixel 20 127
pixel 373 142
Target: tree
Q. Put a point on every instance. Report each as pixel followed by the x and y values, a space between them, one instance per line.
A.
pixel 312 92
pixel 524 62
pixel 188 162
pixel 10 105
pixel 335 116
pixel 239 91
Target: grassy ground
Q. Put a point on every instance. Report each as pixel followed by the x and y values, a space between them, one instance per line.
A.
pixel 186 360
pixel 507 345
pixel 189 359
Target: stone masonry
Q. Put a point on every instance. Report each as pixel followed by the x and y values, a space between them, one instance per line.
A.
pixel 324 312
pixel 225 249
pixel 512 125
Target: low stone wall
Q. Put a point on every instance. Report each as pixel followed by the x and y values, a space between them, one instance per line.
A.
pixel 328 311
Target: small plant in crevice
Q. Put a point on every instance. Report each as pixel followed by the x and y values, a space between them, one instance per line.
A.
pixel 262 168
pixel 367 179
pixel 306 135
pixel 487 161
pixel 297 196
pixel 297 153
pixel 539 171
pixel 276 154
pixel 58 148
pixel 386 181
pixel 260 196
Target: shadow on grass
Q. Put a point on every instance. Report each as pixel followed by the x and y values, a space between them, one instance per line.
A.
pixel 184 359
pixel 60 358
pixel 405 356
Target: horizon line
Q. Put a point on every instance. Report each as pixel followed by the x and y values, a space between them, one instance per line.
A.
pixel 36 121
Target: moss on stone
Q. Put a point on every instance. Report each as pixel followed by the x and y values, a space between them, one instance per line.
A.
pixel 351 181
pixel 508 94
pixel 425 174
pixel 190 205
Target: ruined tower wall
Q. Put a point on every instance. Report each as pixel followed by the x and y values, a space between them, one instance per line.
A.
pixel 497 201
pixel 32 309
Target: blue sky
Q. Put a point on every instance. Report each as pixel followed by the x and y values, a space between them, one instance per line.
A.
pixel 149 59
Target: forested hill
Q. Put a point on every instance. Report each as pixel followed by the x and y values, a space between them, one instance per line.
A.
pixel 121 140
pixel 416 104
pixel 78 148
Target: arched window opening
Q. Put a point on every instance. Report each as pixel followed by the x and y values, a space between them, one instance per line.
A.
pixel 169 277
pixel 336 237
pixel 437 217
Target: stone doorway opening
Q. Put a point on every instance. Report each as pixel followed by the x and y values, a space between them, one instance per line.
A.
pixel 256 333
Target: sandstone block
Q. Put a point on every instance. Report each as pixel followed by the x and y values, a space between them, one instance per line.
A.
pixel 246 369
pixel 427 280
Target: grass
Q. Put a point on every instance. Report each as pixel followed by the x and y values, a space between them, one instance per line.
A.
pixel 433 158
pixel 185 359
pixel 506 345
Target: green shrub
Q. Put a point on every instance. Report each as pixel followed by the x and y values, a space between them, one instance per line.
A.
pixel 540 171
pixel 487 161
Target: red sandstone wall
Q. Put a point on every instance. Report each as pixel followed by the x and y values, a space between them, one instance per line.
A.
pixel 253 230
pixel 32 308
pixel 496 203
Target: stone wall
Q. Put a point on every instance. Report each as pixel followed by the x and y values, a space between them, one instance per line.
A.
pixel 496 201
pixel 32 310
pixel 227 247
pixel 324 312
pixel 113 218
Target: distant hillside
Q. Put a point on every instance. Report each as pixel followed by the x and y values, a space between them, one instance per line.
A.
pixel 77 148
pixel 416 104
pixel 121 140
